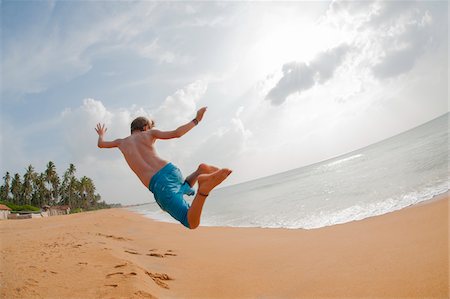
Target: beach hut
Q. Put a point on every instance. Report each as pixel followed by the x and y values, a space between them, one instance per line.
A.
pixel 4 211
pixel 56 210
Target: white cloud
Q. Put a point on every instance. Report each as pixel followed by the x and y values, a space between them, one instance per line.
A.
pixel 301 76
pixel 391 36
pixel 78 128
pixel 296 78
pixel 156 50
pixel 411 38
pixel 176 109
pixel 33 66
pixel 225 146
pixel 325 63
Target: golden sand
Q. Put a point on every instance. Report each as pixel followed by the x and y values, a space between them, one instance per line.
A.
pixel 119 254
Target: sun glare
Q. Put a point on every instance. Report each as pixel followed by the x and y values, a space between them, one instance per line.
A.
pixel 287 40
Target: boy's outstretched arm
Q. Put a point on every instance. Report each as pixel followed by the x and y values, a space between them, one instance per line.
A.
pixel 180 131
pixel 101 130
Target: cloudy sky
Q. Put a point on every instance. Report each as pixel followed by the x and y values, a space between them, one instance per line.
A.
pixel 286 84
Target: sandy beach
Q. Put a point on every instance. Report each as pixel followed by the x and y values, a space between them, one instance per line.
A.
pixel 119 254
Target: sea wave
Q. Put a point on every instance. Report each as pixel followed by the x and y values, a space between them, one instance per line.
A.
pixel 325 218
pixel 363 211
pixel 334 163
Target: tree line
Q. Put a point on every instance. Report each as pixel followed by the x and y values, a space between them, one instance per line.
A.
pixel 47 188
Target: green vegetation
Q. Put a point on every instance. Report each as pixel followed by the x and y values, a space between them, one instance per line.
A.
pixel 17 208
pixel 77 210
pixel 33 189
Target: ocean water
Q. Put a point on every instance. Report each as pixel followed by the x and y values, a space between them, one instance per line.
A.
pixel 390 175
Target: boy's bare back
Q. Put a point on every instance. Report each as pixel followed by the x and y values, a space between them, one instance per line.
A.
pixel 141 156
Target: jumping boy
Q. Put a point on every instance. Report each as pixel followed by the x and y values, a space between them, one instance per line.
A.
pixel 162 178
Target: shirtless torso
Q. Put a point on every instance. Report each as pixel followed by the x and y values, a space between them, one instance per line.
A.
pixel 139 152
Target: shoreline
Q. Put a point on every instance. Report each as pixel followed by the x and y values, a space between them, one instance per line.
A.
pixel 430 200
pixel 436 197
pixel 114 253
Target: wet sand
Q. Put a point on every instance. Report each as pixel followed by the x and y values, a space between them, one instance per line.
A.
pixel 119 254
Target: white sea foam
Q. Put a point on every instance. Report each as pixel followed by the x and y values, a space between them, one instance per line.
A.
pixel 325 218
pixel 340 161
pixel 155 213
pixel 363 211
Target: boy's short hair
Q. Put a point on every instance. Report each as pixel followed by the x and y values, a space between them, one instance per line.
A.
pixel 139 123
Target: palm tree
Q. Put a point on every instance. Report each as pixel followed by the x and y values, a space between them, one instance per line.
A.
pixel 63 189
pixel 4 194
pixel 83 186
pixel 98 203
pixel 87 192
pixel 74 194
pixel 16 189
pixel 27 186
pixel 71 170
pixel 69 187
pixel 40 195
pixel 52 180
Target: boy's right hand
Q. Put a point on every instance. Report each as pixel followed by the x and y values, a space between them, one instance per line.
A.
pixel 101 130
pixel 200 113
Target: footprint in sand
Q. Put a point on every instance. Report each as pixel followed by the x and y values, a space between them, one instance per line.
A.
pixel 132 252
pixel 115 273
pixel 121 273
pixel 159 278
pixel 53 272
pixel 120 265
pixel 170 253
pixel 114 237
pixel 32 281
pixel 142 294
pixel 111 285
pixel 155 254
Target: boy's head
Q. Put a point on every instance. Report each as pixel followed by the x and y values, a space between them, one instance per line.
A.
pixel 140 124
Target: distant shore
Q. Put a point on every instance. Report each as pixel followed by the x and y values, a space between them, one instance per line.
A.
pixel 116 253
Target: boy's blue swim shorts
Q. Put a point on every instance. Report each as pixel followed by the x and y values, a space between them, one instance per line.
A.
pixel 168 188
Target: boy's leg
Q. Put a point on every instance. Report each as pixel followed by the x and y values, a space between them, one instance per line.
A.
pixel 201 169
pixel 206 182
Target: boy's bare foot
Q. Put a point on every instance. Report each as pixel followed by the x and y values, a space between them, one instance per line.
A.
pixel 207 182
pixel 201 169
pixel 206 169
